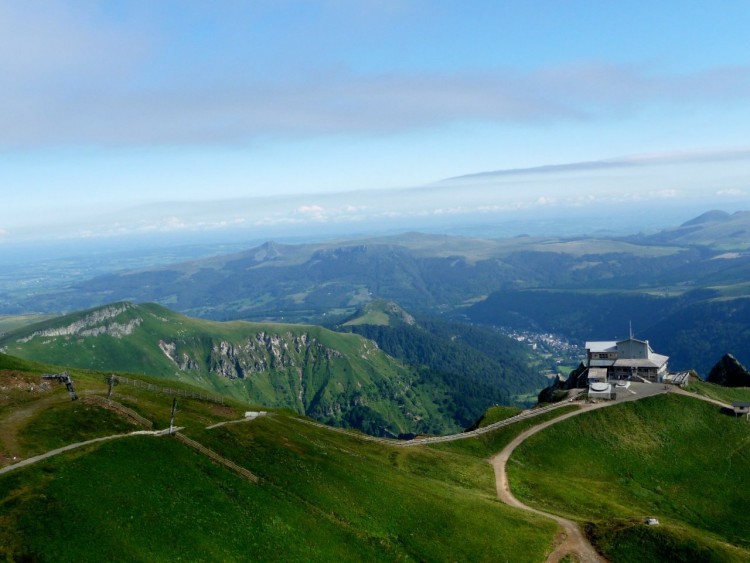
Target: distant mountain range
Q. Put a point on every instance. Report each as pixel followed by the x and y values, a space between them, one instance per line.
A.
pixel 692 281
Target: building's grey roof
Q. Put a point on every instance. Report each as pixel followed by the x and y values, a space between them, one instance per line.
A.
pixel 602 346
pixel 655 361
pixel 601 363
pixel 741 405
pixel 659 359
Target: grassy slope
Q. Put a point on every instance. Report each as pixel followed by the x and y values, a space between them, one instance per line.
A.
pixel 328 384
pixel 724 394
pixel 671 457
pixel 36 416
pixel 496 414
pixel 324 495
pixel 327 495
pixel 419 503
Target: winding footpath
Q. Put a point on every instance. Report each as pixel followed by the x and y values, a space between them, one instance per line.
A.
pixel 523 415
pixel 57 451
pixel 574 540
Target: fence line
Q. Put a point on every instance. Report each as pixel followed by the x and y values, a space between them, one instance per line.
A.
pixel 523 415
pixel 531 413
pixel 121 409
pixel 217 458
pixel 169 390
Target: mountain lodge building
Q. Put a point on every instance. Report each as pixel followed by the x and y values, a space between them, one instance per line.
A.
pixel 624 359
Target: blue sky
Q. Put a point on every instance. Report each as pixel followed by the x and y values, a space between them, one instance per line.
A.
pixel 140 116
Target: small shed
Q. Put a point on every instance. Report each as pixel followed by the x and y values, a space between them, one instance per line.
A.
pixel 741 408
pixel 600 391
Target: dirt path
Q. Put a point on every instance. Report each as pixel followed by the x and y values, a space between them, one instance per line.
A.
pixel 30 460
pixel 17 419
pixel 701 398
pixel 10 425
pixel 573 540
pixel 531 413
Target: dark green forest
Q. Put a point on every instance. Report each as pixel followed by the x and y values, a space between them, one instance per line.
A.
pixel 479 366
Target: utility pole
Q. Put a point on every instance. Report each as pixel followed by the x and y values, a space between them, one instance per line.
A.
pixel 171 420
pixel 112 381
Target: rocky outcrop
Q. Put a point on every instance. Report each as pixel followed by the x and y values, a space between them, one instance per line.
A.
pixel 93 324
pixel 558 389
pixel 729 372
pixel 182 360
pixel 260 353
pixel 395 311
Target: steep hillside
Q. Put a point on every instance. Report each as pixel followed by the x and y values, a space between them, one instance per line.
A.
pixel 729 372
pixel 337 378
pixel 317 494
pixel 480 366
pixel 672 457
pixel 381 312
pixel 322 495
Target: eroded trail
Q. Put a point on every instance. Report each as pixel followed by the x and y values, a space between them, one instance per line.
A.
pixel 11 423
pixel 573 541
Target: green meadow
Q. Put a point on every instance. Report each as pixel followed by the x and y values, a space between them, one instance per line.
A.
pixel 325 494
pixel 672 457
pixel 322 494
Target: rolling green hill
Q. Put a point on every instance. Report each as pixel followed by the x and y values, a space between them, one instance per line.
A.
pixel 715 229
pixel 672 457
pixel 340 379
pixel 322 494
pixel 668 281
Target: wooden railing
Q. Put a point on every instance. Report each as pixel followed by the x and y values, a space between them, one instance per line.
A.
pixel 168 390
pixel 122 409
pixel 229 464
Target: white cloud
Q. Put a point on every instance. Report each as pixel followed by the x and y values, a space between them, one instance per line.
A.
pixel 310 209
pixel 730 193
pixel 314 212
pixel 94 92
pixel 355 208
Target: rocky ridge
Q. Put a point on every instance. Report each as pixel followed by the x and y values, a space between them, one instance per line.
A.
pixel 92 325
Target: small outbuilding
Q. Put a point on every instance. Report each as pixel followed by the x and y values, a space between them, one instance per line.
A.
pixel 741 408
pixel 599 390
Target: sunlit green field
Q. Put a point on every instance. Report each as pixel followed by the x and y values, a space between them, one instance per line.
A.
pixel 672 457
pixel 323 495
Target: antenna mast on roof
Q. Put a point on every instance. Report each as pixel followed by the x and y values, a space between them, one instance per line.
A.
pixel 630 324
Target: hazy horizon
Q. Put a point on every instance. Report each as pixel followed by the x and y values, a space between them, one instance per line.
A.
pixel 136 119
